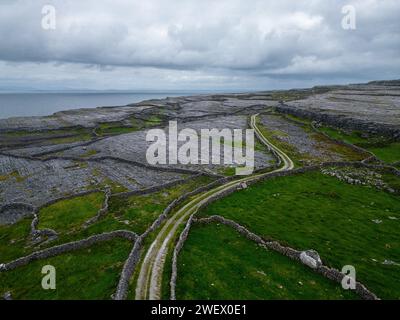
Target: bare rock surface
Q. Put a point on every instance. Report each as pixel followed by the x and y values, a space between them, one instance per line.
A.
pixel 133 145
pixel 71 118
pixel 370 107
pixel 45 158
pixel 303 141
pixel 38 182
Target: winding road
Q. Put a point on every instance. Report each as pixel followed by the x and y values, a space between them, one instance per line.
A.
pixel 150 276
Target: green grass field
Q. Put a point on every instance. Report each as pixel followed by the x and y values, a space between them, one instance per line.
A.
pixel 114 128
pixel 13 240
pixel 86 274
pixel 69 215
pixel 346 224
pixel 91 273
pixel 219 263
pixel 135 213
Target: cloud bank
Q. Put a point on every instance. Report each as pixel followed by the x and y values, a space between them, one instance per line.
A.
pixel 191 44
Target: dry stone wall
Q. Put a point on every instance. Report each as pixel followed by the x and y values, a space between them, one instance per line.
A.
pixel 103 210
pixel 340 121
pixel 68 247
pixel 178 247
pixel 156 188
pixel 38 234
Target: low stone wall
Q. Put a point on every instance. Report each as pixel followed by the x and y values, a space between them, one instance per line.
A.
pixel 156 188
pixel 150 167
pixel 32 130
pixel 278 160
pixel 16 156
pixel 67 247
pixel 83 144
pixel 178 247
pixel 103 211
pixel 370 159
pixel 128 269
pixel 341 121
pixel 37 234
pixel 355 164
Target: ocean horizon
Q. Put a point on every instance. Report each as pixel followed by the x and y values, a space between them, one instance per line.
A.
pixel 46 103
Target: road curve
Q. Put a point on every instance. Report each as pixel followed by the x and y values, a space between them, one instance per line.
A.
pixel 150 276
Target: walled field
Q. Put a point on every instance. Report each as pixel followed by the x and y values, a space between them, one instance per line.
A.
pixel 218 263
pixel 346 224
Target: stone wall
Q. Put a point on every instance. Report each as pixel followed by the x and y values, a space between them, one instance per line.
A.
pixel 128 269
pixel 132 162
pixel 178 247
pixel 355 164
pixel 67 247
pixel 340 121
pixel 278 160
pixel 156 188
pixel 83 144
pixel 38 234
pixel 103 210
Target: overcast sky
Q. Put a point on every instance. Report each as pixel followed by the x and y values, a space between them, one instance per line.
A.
pixel 196 44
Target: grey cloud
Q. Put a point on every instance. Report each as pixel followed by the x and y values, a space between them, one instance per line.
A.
pixel 184 42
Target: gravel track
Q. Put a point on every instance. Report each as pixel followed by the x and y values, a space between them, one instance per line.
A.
pixel 151 271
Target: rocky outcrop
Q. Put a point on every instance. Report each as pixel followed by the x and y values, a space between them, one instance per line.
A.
pixel 7 296
pixel 12 212
pixel 311 259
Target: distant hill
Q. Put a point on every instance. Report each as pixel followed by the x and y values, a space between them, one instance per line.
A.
pixel 385 83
